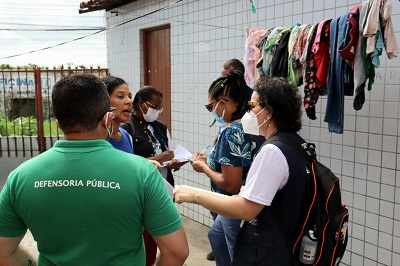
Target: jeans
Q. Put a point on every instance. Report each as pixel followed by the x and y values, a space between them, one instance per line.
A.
pixel 222 236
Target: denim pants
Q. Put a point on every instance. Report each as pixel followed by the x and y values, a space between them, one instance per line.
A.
pixel 222 235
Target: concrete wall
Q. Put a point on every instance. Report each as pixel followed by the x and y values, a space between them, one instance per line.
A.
pixel 204 34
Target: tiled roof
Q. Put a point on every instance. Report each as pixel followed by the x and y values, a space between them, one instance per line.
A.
pixel 93 5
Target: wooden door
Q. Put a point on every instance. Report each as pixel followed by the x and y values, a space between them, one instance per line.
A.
pixel 157 66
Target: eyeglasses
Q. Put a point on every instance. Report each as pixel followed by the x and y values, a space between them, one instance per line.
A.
pixel 252 104
pixel 209 106
pixel 111 110
pixel 155 107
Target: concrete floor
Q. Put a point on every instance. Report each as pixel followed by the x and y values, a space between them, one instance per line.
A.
pixel 196 234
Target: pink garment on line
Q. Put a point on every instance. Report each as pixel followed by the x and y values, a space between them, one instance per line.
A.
pixel 252 54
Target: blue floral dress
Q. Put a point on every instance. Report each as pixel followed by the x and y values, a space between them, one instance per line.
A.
pixel 233 148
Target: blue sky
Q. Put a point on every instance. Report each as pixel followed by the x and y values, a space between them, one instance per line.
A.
pixel 27 25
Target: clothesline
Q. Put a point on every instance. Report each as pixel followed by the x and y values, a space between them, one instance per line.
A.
pixel 334 57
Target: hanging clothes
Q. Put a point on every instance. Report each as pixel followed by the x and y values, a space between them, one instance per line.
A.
pixel 320 49
pixel 360 75
pixel 311 90
pixel 334 115
pixel 279 63
pixel 389 38
pixel 269 50
pixel 298 49
pixel 373 61
pixel 252 54
pixel 371 25
pixel 294 35
pixel 379 19
pixel 348 48
pixel 260 45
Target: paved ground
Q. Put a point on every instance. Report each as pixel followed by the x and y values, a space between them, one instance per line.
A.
pixel 195 232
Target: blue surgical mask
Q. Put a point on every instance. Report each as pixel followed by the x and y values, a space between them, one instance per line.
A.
pixel 217 118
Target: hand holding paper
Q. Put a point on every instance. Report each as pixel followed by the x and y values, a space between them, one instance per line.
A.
pixel 181 155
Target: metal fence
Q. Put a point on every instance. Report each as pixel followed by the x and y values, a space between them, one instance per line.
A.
pixel 27 123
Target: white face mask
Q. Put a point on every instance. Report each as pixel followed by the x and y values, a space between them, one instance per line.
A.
pixel 152 114
pixel 250 123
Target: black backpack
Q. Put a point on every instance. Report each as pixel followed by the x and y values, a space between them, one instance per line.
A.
pixel 327 215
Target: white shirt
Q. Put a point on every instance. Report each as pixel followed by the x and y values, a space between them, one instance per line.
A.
pixel 268 173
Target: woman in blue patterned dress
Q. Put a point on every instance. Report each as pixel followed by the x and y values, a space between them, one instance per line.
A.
pixel 229 161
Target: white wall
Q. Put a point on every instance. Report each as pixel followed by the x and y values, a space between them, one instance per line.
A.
pixel 204 34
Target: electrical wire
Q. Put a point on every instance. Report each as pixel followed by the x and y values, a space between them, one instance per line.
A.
pixel 82 29
pixel 97 32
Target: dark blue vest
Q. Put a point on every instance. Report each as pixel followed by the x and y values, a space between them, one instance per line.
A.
pixel 267 240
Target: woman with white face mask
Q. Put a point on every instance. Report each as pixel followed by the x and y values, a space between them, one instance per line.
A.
pixel 151 137
pixel 152 140
pixel 273 202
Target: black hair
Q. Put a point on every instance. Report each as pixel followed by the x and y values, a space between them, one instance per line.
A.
pixel 145 94
pixel 233 86
pixel 283 100
pixel 112 83
pixel 79 102
pixel 235 64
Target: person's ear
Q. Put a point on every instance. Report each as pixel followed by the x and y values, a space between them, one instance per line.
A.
pixel 106 121
pixel 270 112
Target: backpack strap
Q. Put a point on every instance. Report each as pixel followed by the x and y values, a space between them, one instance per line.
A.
pixel 308 154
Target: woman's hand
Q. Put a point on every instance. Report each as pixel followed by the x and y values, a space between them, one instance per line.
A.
pixel 175 164
pixel 197 156
pixel 184 194
pixel 199 166
pixel 164 156
pixel 156 164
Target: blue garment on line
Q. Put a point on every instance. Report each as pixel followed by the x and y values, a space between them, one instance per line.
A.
pixel 335 97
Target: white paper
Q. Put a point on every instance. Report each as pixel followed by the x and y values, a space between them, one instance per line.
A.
pixel 181 154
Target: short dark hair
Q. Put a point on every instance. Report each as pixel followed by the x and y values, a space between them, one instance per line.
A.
pixel 235 64
pixel 283 99
pixel 234 87
pixel 112 83
pixel 145 94
pixel 79 102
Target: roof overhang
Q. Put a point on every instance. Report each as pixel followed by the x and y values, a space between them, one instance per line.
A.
pixel 93 5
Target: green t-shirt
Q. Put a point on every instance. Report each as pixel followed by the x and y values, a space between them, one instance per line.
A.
pixel 87 203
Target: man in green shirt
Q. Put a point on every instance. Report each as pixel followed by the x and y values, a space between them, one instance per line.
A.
pixel 85 202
